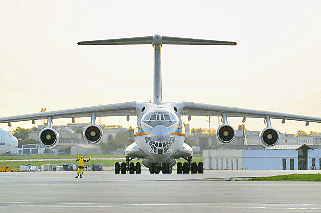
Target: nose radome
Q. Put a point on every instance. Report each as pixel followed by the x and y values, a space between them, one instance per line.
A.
pixel 160 133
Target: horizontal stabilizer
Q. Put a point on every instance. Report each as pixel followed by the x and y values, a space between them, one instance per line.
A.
pixel 192 41
pixel 120 41
pixel 156 40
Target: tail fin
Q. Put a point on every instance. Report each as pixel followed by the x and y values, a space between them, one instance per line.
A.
pixel 157 41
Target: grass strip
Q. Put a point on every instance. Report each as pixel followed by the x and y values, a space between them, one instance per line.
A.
pixel 17 164
pixel 25 157
pixel 293 177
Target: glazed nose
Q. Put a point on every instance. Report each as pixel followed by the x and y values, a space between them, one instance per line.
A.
pixel 160 133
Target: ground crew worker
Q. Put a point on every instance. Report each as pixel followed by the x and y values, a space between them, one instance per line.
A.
pixel 81 166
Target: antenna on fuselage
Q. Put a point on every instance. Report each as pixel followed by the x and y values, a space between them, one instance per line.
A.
pixel 157 41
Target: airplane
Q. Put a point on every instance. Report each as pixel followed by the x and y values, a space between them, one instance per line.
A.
pixel 159 141
pixel 7 141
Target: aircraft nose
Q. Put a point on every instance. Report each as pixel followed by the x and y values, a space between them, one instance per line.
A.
pixel 160 133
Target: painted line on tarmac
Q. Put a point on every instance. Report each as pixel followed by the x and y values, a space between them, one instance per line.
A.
pixel 202 205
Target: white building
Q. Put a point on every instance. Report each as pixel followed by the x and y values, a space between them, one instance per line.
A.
pixel 28 149
pixel 302 157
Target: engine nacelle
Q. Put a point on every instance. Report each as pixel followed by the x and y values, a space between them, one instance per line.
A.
pixel 93 134
pixel 225 133
pixel 49 137
pixel 269 136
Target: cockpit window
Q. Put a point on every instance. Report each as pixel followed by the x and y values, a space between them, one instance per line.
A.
pixel 160 118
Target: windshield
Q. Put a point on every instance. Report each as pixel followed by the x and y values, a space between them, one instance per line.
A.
pixel 160 118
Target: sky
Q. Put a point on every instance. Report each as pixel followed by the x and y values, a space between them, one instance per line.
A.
pixel 275 66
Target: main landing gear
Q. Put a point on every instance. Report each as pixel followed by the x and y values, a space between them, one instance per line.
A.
pixel 128 166
pixel 188 166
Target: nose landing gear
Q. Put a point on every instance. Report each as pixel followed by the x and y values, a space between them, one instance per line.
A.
pixel 155 168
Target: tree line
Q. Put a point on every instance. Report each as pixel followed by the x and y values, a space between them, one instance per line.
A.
pixel 124 138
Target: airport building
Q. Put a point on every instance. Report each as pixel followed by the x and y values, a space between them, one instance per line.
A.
pixel 28 149
pixel 281 157
pixel 246 152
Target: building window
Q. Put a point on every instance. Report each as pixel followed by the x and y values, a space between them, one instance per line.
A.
pixel 313 164
pixel 227 167
pixel 291 164
pixel 284 163
pixel 217 164
pixel 237 164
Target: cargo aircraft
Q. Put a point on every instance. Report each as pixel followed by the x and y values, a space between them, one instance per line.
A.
pixel 7 141
pixel 159 141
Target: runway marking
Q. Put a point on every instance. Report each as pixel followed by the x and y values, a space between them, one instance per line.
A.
pixel 78 203
pixel 194 205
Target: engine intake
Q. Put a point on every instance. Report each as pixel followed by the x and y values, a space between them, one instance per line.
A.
pixel 225 133
pixel 93 134
pixel 49 137
pixel 269 136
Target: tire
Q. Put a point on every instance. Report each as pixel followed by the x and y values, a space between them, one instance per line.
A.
pixel 152 168
pixel 200 168
pixel 117 168
pixel 157 168
pixel 123 168
pixel 179 168
pixel 132 168
pixel 186 168
pixel 138 168
pixel 194 168
pixel 165 168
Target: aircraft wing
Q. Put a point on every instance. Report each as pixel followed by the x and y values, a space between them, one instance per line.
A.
pixel 119 109
pixel 199 109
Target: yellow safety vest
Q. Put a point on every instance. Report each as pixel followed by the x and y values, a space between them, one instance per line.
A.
pixel 81 162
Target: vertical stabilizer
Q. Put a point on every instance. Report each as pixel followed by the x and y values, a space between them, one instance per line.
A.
pixel 157 41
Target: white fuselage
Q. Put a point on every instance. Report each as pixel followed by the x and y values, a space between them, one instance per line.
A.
pixel 160 137
pixel 7 141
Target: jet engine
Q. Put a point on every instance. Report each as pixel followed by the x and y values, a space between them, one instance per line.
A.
pixel 269 136
pixel 225 133
pixel 93 134
pixel 49 137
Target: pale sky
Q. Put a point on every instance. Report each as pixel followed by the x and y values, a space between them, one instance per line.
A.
pixel 275 66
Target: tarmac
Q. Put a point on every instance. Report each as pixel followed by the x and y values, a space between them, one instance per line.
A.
pixel 103 191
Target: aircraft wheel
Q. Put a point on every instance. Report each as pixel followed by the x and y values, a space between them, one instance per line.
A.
pixel 123 168
pixel 132 168
pixel 200 168
pixel 138 168
pixel 179 168
pixel 157 168
pixel 152 168
pixel 117 168
pixel 165 168
pixel 186 168
pixel 194 168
